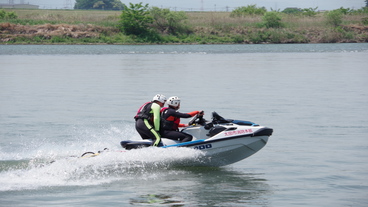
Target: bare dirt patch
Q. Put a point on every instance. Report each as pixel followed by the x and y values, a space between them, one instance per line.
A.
pixel 10 31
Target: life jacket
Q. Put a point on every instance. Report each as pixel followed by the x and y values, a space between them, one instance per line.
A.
pixel 144 112
pixel 163 109
pixel 170 122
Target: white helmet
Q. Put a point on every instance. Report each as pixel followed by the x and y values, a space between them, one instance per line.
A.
pixel 173 101
pixel 160 98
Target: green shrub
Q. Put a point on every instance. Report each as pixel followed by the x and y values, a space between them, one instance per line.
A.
pixel 272 20
pixel 2 14
pixel 257 37
pixel 248 10
pixel 237 39
pixel 169 22
pixel 334 17
pixel 365 21
pixel 7 15
pixel 58 39
pixel 11 15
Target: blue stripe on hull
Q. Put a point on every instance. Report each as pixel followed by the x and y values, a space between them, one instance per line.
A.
pixel 186 143
pixel 263 132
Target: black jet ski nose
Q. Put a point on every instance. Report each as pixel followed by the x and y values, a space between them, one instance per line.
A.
pixel 131 144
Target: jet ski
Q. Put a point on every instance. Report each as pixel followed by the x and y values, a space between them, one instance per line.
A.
pixel 223 141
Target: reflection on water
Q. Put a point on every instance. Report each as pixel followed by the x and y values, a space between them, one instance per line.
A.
pixel 232 187
pixel 207 187
pixel 156 199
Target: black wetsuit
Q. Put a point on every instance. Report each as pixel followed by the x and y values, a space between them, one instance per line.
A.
pixel 170 122
pixel 148 122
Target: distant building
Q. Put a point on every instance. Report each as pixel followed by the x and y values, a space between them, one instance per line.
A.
pixel 18 6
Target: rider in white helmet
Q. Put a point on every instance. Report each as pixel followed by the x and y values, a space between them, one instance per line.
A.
pixel 148 119
pixel 170 121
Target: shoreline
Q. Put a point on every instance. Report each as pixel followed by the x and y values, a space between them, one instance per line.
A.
pixel 53 27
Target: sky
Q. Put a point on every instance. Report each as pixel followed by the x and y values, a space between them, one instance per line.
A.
pixel 213 5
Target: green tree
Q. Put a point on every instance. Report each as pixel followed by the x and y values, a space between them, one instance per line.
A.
pixel 363 10
pixel 346 10
pixel 292 11
pixel 310 12
pixel 99 4
pixel 366 3
pixel 136 20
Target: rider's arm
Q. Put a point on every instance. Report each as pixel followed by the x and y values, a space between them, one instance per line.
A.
pixel 183 125
pixel 185 115
pixel 193 113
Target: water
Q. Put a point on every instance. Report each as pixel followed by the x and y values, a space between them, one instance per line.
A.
pixel 58 102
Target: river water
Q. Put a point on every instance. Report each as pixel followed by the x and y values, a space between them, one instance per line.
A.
pixel 58 102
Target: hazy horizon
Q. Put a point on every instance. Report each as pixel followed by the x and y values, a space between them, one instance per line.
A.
pixel 210 5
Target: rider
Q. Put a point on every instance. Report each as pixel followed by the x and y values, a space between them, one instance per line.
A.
pixel 148 119
pixel 170 121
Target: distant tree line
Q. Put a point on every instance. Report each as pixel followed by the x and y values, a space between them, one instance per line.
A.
pixel 99 4
pixel 148 23
pixel 240 11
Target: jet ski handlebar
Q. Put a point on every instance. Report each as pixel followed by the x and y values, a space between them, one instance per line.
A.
pixel 216 119
pixel 197 119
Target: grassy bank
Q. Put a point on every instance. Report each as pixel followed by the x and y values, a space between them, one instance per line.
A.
pixel 101 27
